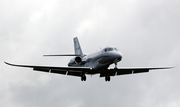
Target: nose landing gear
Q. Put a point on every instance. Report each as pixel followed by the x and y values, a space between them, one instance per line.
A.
pixel 115 65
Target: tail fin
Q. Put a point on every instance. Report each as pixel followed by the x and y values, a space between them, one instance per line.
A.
pixel 77 47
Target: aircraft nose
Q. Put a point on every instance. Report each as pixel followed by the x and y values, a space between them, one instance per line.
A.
pixel 111 57
pixel 118 56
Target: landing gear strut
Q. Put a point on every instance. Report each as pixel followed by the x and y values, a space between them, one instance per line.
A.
pixel 115 65
pixel 83 77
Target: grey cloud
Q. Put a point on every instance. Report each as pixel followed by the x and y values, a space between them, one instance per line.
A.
pixel 146 32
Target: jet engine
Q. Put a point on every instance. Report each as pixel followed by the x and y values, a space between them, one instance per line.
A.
pixel 78 59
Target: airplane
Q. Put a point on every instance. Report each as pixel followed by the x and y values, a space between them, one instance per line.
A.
pixel 95 63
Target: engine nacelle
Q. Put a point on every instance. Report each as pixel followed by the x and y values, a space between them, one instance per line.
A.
pixel 78 59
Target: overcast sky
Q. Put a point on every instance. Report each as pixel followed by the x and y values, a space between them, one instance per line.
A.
pixel 147 32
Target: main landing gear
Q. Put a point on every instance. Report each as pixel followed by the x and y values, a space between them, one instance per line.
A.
pixel 83 77
pixel 107 78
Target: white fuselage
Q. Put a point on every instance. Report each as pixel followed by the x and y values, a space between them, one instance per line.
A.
pixel 98 60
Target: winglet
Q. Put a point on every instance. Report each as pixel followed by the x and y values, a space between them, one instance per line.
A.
pixel 9 63
pixel 6 63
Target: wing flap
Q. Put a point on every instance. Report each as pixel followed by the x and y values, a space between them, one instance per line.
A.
pixel 41 69
pixel 74 73
pixel 124 71
pixel 140 71
pixel 50 70
pixel 58 71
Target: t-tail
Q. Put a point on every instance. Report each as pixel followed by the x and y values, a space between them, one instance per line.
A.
pixel 77 50
pixel 77 47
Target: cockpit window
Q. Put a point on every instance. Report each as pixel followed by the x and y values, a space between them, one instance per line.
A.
pixel 110 49
pixel 116 49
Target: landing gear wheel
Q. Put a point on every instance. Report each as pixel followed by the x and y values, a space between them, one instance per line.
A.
pixel 107 78
pixel 83 78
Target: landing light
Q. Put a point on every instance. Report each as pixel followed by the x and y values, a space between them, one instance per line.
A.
pixel 90 68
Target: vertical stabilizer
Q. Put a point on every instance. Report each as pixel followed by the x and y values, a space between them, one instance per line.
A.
pixel 77 47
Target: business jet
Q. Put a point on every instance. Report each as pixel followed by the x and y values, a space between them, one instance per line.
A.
pixel 95 63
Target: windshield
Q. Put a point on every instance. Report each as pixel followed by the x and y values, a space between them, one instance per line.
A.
pixel 116 49
pixel 110 49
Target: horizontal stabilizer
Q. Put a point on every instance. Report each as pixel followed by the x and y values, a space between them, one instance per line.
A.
pixel 63 55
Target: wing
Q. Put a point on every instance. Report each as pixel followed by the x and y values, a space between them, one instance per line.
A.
pixel 73 71
pixel 125 71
